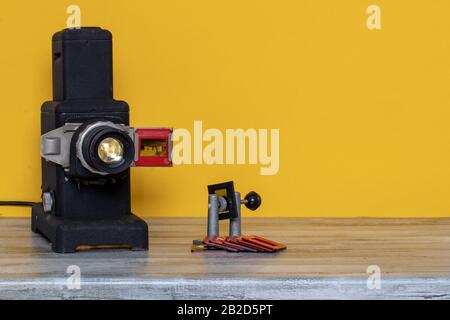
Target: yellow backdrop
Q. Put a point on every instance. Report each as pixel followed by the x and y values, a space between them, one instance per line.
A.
pixel 363 115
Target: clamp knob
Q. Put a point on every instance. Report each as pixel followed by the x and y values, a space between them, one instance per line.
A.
pixel 252 200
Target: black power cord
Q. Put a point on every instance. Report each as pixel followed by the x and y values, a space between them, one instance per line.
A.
pixel 18 203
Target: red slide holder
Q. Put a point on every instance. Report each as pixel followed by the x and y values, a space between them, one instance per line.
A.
pixel 219 242
pixel 244 247
pixel 262 242
pixel 154 147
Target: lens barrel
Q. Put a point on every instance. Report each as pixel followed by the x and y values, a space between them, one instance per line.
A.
pixel 88 148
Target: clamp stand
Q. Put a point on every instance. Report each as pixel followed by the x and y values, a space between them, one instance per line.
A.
pixel 225 203
pixel 217 204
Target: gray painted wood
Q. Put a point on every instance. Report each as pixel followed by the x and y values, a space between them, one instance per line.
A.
pixel 326 259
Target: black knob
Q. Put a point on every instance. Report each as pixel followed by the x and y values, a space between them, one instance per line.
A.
pixel 252 200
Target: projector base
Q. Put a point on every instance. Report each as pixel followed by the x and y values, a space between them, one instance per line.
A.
pixel 66 235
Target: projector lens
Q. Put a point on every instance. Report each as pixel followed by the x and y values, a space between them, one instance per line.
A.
pixel 105 148
pixel 110 150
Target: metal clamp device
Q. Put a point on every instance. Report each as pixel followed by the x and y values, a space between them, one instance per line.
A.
pixel 225 203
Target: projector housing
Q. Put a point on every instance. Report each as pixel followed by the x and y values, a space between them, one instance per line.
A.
pixel 86 202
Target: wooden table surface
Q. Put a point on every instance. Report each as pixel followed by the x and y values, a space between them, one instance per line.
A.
pixel 325 259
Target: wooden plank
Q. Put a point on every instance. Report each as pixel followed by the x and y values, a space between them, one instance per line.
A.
pixel 326 258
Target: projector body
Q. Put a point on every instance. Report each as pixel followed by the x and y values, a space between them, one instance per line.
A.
pixel 86 202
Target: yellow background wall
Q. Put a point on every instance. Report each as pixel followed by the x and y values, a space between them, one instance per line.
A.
pixel 364 116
